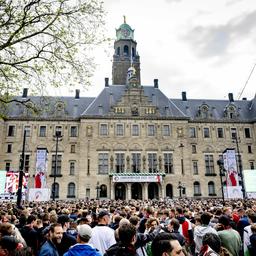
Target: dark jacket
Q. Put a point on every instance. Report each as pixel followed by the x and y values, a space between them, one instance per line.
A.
pixel 48 249
pixel 66 242
pixel 119 250
pixel 31 237
pixel 82 250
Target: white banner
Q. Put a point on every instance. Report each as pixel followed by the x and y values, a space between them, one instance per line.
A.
pixel 39 194
pixel 234 192
pixel 2 180
pixel 41 165
pixel 137 178
pixel 229 159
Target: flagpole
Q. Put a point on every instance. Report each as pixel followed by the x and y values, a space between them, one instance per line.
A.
pixel 21 172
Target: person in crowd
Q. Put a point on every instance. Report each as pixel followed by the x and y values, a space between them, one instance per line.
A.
pixel 211 245
pixel 55 235
pixel 67 240
pixel 127 239
pixel 230 238
pixel 165 244
pixel 102 235
pixel 248 232
pixel 201 230
pixel 82 247
pixel 173 228
pixel 242 222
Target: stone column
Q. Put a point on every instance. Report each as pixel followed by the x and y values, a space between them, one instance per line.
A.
pixel 112 189
pixel 129 191
pixel 162 189
pixel 145 193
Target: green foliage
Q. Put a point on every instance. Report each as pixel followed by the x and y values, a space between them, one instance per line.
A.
pixel 48 42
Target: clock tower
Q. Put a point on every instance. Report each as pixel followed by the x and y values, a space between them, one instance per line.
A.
pixel 125 55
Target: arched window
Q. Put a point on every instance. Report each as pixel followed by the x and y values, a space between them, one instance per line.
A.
pixel 71 190
pixel 126 50
pixel 169 191
pixel 133 52
pixel 55 190
pixel 197 189
pixel 103 190
pixel 118 51
pixel 211 188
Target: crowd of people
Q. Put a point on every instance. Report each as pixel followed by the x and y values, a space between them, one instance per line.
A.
pixel 135 228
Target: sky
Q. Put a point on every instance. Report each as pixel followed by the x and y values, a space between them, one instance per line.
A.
pixel 203 47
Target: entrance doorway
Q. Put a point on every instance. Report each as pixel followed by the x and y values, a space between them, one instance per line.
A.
pixel 169 191
pixel 136 191
pixel 153 192
pixel 120 191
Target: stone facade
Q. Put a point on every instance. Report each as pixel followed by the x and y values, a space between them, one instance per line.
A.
pixel 131 141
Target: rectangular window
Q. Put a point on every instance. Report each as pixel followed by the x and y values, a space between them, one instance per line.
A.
pixel 103 129
pixel 251 165
pixel 247 133
pixel 220 133
pixel 27 128
pixel 195 167
pixel 7 166
pixel 9 148
pixel 193 149
pixel 120 162
pixel 209 164
pixel 168 163
pixel 151 130
pixel 11 130
pixel 136 162
pixel 152 162
pixel 192 132
pixel 42 131
pixel 233 133
pixel 166 130
pixel 72 148
pixel 135 130
pixel 56 171
pixel 73 131
pixel 58 131
pixel 26 167
pixel 103 163
pixel 249 149
pixel 120 130
pixel 206 132
pixel 72 168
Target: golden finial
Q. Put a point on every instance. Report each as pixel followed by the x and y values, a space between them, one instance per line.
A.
pixel 124 19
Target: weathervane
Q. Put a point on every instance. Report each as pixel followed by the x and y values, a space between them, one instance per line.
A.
pixel 124 19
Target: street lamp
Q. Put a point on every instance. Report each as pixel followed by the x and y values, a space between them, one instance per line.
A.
pixel 58 137
pixel 220 163
pixel 239 163
pixel 98 191
pixel 181 146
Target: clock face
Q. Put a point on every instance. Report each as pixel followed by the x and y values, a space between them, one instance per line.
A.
pixel 125 32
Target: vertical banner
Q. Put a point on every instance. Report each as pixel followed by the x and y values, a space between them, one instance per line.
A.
pixel 229 158
pixel 12 181
pixel 2 181
pixel 41 164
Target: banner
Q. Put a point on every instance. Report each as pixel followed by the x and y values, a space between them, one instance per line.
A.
pixel 2 180
pixel 41 165
pixel 12 182
pixel 137 178
pixel 230 165
pixel 39 194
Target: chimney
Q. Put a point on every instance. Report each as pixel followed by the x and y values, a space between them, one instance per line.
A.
pixel 244 98
pixel 184 96
pixel 230 97
pixel 25 93
pixel 106 82
pixel 155 83
pixel 77 96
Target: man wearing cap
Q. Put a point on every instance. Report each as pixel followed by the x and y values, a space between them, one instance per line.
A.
pixel 84 233
pixel 102 235
pixel 67 240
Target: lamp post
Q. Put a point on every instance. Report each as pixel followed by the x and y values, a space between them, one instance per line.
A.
pixel 181 146
pixel 97 191
pixel 239 164
pixel 222 170
pixel 58 137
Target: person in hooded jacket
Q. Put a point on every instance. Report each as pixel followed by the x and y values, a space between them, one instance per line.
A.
pixel 82 247
pixel 201 230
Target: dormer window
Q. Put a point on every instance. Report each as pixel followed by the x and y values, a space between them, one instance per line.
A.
pixel 231 112
pixel 204 111
pixel 59 108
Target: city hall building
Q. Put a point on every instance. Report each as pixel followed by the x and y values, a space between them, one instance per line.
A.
pixel 131 141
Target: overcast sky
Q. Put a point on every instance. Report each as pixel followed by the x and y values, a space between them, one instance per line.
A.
pixel 203 47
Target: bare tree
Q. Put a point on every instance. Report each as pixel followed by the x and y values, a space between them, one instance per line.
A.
pixel 47 42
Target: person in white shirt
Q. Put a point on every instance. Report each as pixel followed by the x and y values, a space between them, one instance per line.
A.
pixel 102 235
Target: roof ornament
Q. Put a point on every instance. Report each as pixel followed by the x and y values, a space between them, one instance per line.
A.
pixel 124 19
